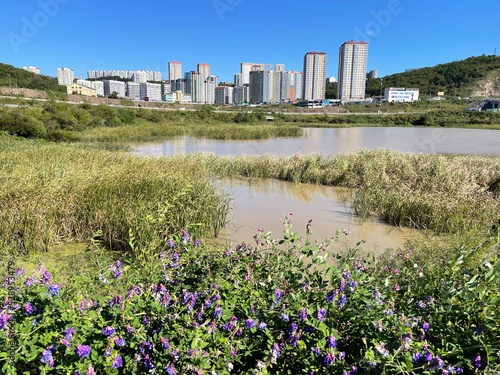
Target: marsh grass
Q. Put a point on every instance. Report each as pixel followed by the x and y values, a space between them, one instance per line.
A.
pixel 443 193
pixel 53 193
pixel 146 131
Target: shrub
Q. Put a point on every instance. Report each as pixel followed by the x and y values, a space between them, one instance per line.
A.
pixel 276 308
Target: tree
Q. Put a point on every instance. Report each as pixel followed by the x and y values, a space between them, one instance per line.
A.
pixel 113 95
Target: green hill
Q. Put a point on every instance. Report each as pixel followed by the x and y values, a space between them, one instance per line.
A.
pixel 474 76
pixel 28 80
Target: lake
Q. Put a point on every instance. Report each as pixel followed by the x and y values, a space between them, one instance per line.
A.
pixel 259 204
pixel 345 140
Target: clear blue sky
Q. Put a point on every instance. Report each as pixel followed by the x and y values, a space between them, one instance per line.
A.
pixel 146 34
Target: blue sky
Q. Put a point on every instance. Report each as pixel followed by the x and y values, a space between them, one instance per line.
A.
pixel 146 34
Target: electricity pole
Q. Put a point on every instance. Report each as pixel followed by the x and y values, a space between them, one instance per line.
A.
pixel 10 86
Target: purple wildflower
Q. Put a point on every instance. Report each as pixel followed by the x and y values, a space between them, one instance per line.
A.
pixel 28 307
pixel 108 331
pixel 303 314
pixel 427 356
pixel 331 342
pixel 82 350
pixel 341 301
pixel 330 296
pixel 249 323
pixel 316 351
pixel 425 327
pixel 328 358
pixel 54 289
pixel 117 362
pixel 116 275
pixel 476 361
pixel 217 313
pixel 262 326
pixel 284 317
pixel 70 332
pixel 164 343
pixel 45 276
pixel 120 342
pixel 47 358
pixel 279 294
pixel 436 363
pixel 171 369
pixel 90 370
pixel 275 352
pixel 29 281
pixel 416 357
pixel 197 243
pixel 147 362
pixel 422 305
pixel 321 314
pixel 19 272
pixel 65 342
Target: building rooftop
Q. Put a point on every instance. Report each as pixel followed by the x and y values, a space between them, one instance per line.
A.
pixel 355 42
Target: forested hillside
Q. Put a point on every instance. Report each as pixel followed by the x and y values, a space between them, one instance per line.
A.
pixel 457 78
pixel 28 80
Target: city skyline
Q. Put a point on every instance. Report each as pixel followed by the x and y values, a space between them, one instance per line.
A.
pixel 41 34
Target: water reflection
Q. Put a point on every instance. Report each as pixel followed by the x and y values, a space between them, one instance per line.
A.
pixel 260 203
pixel 345 140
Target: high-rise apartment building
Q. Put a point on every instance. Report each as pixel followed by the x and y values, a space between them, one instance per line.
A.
pixel 211 82
pixel 265 86
pixel 238 79
pixel 224 95
pixel 372 74
pixel 174 70
pixel 32 69
pixel 65 76
pixel 241 94
pixel 204 68
pixel 246 68
pixel 195 86
pixel 314 75
pixel 292 86
pixel 353 58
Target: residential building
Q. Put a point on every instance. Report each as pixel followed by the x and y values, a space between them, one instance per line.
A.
pixel 265 86
pixel 96 85
pixel 204 68
pixel 245 71
pixel 32 69
pixel 314 75
pixel 401 95
pixel 224 95
pixel 134 90
pixel 150 91
pixel 140 76
pixel 78 89
pixel 195 85
pixel 211 83
pixel 174 70
pixel 178 85
pixel 65 76
pixel 371 74
pixel 280 67
pixel 238 79
pixel 114 86
pixel 241 94
pixel 353 58
pixel 291 85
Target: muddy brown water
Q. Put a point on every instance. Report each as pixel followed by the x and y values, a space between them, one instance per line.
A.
pixel 260 203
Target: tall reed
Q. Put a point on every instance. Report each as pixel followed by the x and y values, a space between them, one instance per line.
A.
pixel 53 193
pixel 445 193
